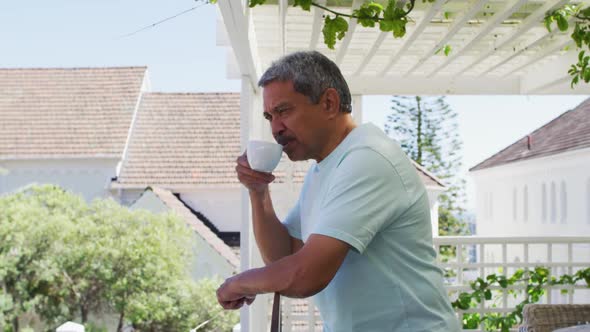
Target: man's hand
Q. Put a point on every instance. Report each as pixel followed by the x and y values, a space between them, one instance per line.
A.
pixel 253 180
pixel 228 298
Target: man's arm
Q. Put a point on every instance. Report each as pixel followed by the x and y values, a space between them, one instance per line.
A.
pixel 300 275
pixel 271 235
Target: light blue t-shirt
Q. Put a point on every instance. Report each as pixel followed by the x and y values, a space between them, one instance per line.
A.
pixel 367 193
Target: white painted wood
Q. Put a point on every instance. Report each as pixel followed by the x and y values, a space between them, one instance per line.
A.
pixel 366 85
pixel 531 21
pixel 357 109
pixel 283 8
pixel 352 22
pixel 458 24
pixel 371 52
pixel 241 36
pixel 490 25
pixel 317 25
pixel 536 80
pixel 424 22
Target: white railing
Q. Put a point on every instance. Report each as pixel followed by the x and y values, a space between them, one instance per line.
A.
pixel 479 257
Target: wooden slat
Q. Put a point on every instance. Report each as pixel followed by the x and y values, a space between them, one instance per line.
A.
pixel 414 36
pixel 283 7
pixel 531 21
pixel 457 25
pixel 317 25
pixel 343 48
pixel 496 20
pixel 371 52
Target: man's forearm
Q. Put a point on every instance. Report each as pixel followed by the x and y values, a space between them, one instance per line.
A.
pixel 271 236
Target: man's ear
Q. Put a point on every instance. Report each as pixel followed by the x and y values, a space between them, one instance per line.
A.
pixel 331 102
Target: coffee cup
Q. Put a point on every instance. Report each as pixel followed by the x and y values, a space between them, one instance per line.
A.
pixel 263 156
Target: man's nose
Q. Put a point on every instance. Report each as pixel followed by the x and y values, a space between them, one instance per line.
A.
pixel 277 127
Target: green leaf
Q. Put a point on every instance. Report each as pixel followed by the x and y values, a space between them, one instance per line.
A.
pixel 304 4
pixel 447 15
pixel 334 28
pixel 368 14
pixel 254 3
pixel 447 50
pixel 562 23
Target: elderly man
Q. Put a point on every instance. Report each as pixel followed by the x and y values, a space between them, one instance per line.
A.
pixel 359 238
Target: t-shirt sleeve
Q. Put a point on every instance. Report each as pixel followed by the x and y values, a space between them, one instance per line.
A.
pixel 293 221
pixel 365 195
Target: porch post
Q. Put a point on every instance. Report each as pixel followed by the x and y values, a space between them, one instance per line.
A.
pixel 254 317
pixel 357 109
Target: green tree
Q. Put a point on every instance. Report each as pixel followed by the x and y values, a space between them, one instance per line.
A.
pixel 426 128
pixel 64 259
pixel 31 227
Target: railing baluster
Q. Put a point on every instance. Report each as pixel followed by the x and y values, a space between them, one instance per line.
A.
pixel 570 270
pixel 549 260
pixel 505 273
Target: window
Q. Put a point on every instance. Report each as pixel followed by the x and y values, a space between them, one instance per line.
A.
pixel 514 212
pixel 544 202
pixel 563 201
pixel 553 203
pixel 525 204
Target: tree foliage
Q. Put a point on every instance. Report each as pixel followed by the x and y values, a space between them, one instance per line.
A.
pixel 63 259
pixel 426 128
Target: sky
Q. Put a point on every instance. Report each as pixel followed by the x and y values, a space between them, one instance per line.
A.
pixel 182 56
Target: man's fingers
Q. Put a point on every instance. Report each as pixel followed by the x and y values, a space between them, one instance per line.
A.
pixel 247 172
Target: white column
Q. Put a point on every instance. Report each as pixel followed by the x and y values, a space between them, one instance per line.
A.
pixel 357 109
pixel 254 317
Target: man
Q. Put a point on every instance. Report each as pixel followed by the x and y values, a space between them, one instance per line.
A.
pixel 359 237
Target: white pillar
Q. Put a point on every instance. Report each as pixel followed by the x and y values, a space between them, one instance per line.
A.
pixel 254 317
pixel 357 109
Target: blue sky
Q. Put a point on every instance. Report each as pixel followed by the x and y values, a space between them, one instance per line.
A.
pixel 182 56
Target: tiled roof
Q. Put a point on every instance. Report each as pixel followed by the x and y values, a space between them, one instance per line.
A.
pixel 184 138
pixel 67 112
pixel 569 131
pixel 194 139
pixel 427 178
pixel 182 211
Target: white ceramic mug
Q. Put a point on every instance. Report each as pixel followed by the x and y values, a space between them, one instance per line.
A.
pixel 263 156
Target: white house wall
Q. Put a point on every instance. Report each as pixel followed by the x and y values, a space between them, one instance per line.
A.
pixel 501 213
pixel 88 177
pixel 501 209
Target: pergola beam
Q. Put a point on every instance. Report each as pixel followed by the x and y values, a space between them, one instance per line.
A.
pixel 450 33
pixel 371 52
pixel 558 46
pixel 414 36
pixel 530 46
pixel 510 8
pixel 553 73
pixel 283 7
pixel 317 23
pixel 240 36
pixel 531 21
pixel 351 28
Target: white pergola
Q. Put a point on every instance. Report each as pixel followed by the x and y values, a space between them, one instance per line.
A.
pixel 498 47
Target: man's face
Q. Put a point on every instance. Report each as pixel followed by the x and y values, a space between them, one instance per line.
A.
pixel 296 123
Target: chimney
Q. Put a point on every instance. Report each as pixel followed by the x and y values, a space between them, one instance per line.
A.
pixel 529 142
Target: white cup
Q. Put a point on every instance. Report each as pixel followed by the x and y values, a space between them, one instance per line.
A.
pixel 263 156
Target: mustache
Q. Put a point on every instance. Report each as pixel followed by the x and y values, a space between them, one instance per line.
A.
pixel 283 140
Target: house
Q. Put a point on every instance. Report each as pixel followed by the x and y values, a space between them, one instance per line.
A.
pixel 539 186
pixel 67 126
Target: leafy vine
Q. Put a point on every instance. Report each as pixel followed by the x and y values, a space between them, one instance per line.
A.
pixel 535 281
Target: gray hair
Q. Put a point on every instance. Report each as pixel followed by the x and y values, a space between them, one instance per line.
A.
pixel 311 73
